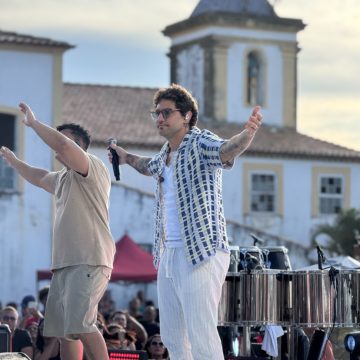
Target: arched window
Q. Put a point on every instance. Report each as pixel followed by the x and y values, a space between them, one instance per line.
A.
pixel 7 138
pixel 254 79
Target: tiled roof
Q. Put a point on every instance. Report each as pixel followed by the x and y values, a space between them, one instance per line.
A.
pixel 7 37
pixel 123 113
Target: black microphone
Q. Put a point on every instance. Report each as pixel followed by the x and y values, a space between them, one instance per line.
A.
pixel 256 240
pixel 115 159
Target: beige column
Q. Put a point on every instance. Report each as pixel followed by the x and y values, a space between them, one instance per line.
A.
pixel 289 84
pixel 220 58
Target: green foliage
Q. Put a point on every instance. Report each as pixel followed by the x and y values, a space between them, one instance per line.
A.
pixel 342 232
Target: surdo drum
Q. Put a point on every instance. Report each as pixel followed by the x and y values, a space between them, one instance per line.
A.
pixel 255 298
pixel 276 257
pixel 250 258
pixel 326 298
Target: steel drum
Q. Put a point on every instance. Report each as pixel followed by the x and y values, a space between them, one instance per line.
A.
pixel 234 258
pixel 251 258
pixel 326 298
pixel 255 298
pixel 276 257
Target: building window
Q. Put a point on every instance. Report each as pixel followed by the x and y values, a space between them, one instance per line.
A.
pixel 7 138
pixel 331 194
pixel 254 79
pixel 263 193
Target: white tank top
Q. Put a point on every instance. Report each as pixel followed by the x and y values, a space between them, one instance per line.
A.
pixel 172 224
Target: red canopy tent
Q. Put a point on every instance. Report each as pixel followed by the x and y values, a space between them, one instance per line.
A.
pixel 131 263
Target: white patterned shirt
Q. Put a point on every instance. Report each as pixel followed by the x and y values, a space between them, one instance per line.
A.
pixel 198 185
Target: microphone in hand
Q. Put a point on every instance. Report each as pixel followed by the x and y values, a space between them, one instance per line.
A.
pixel 115 159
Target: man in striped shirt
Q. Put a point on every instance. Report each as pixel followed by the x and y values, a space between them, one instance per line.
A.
pixel 191 247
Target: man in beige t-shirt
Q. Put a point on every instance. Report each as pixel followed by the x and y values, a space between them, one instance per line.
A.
pixel 83 249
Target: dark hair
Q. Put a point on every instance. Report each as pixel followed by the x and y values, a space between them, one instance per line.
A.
pixel 43 292
pixel 182 98
pixel 78 131
pixel 148 344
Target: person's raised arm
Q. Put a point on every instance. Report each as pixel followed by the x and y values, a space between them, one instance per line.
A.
pixel 67 151
pixel 240 142
pixel 36 176
pixel 139 163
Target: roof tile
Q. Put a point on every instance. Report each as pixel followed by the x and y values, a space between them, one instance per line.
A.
pixel 123 113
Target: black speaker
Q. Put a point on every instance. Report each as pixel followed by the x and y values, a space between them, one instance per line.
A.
pixel 13 356
pixel 5 338
pixel 127 355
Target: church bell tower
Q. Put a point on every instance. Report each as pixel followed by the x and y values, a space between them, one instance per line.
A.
pixel 234 54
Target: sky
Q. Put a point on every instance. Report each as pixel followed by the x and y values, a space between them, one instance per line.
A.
pixel 119 42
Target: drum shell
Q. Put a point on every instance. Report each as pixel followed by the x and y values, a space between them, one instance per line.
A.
pixel 257 298
pixel 349 289
pixel 321 300
pixel 253 251
pixel 276 257
pixel 234 258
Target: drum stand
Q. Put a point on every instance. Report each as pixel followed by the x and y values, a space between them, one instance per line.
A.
pixel 245 343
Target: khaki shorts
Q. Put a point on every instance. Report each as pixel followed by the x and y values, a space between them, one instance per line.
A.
pixel 72 303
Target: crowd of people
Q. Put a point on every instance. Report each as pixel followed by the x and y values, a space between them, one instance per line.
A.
pixel 134 328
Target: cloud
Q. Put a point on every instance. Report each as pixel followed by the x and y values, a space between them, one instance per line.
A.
pixel 333 118
pixel 330 44
pixel 139 21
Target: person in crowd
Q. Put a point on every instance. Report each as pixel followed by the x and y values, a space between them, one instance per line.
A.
pixel 43 295
pixel 29 311
pixel 21 340
pixel 141 296
pixel 129 323
pixel 107 305
pixel 191 249
pixel 155 348
pixel 117 338
pixel 46 348
pixel 12 304
pixel 135 308
pixel 101 322
pixel 82 247
pixel 149 322
pixel 31 326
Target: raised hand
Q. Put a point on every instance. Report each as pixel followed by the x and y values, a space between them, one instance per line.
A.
pixel 8 155
pixel 254 122
pixel 29 117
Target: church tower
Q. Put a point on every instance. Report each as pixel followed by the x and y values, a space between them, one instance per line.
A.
pixel 234 54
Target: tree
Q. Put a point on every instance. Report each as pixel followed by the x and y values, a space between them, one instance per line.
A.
pixel 343 233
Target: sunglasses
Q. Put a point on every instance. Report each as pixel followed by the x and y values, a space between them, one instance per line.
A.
pixel 154 343
pixel 9 318
pixel 164 112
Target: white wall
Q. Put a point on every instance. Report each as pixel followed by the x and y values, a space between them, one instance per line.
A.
pixel 190 72
pixel 297 222
pixel 26 217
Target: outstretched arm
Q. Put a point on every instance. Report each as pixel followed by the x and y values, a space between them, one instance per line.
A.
pixel 33 175
pixel 139 163
pixel 67 151
pixel 240 142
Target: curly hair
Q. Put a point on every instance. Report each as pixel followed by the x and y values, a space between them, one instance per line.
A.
pixel 78 132
pixel 182 98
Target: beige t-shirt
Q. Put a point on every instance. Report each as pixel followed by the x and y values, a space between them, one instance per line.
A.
pixel 81 232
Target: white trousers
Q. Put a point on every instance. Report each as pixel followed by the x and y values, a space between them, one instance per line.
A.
pixel 188 304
